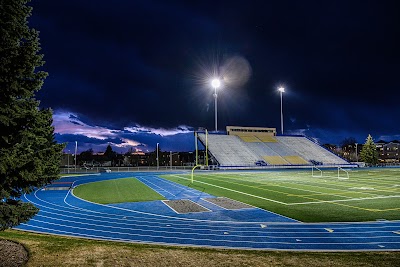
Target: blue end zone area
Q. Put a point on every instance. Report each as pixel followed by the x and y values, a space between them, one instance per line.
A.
pixel 171 190
pixel 155 223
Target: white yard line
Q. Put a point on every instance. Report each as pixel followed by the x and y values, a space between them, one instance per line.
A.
pixel 342 200
pixel 232 190
pixel 301 203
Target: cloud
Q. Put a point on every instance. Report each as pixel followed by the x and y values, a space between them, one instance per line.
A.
pixel 67 123
pixel 72 127
pixel 158 131
pixel 69 128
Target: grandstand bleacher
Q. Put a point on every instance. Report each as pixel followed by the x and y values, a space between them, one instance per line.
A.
pixel 248 150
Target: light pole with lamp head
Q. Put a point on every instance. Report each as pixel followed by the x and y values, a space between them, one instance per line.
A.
pixel 281 90
pixel 76 151
pixel 170 158
pixel 215 83
pixel 356 153
pixel 68 160
pixel 158 164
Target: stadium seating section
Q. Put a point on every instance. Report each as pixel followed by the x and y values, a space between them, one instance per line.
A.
pixel 249 150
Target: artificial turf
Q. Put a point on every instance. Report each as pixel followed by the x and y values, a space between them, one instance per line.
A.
pixel 369 194
pixel 116 191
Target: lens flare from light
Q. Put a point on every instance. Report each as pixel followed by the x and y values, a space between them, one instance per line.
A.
pixel 215 83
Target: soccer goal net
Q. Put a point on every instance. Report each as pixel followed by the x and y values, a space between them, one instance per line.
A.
pixel 342 173
pixel 338 173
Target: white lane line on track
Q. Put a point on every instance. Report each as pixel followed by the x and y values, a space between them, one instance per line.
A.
pixel 217 228
pixel 198 193
pixel 271 229
pixel 198 221
pixel 150 230
pixel 165 216
pixel 240 241
pixel 302 237
pixel 192 192
pixel 149 219
pixel 93 237
pixel 205 221
pixel 263 234
pixel 158 191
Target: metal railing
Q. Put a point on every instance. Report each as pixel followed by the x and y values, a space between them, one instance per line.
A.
pixel 123 169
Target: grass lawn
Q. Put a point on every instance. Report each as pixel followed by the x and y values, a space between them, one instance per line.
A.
pixel 49 250
pixel 117 191
pixel 369 194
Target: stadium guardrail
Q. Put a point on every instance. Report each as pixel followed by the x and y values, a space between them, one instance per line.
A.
pixel 123 169
pixel 253 167
pixel 188 168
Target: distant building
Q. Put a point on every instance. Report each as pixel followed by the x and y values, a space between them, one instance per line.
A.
pixel 388 152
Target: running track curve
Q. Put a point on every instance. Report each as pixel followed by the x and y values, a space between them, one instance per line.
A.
pixel 61 213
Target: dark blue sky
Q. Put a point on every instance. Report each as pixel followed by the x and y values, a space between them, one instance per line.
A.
pixel 123 65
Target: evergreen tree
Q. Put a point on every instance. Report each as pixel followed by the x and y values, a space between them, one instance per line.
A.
pixel 109 153
pixel 368 153
pixel 86 155
pixel 29 156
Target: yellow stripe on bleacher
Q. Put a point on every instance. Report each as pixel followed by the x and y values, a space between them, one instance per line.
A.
pixel 249 138
pixel 276 160
pixel 267 139
pixel 296 160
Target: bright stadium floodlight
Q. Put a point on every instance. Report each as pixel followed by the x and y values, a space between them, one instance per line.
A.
pixel 281 90
pixel 215 83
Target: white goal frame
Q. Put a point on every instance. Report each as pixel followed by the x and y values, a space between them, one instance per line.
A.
pixel 339 171
pixel 312 172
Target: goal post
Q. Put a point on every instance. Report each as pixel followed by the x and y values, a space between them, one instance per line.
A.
pixel 315 169
pixel 197 166
pixel 340 171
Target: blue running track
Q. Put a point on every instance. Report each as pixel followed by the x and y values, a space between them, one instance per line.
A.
pixel 61 213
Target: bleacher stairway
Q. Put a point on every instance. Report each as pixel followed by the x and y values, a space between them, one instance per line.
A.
pixel 237 152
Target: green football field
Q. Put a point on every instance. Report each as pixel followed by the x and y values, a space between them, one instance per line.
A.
pixel 117 191
pixel 356 195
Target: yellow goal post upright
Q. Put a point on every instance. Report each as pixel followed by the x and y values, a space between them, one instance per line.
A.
pixel 192 177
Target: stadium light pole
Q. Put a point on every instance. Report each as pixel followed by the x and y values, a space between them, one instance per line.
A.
pixel 68 159
pixel 170 158
pixel 76 151
pixel 281 90
pixel 157 157
pixel 215 83
pixel 356 153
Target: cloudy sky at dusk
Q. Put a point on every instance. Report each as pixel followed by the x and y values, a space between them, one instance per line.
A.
pixel 137 73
